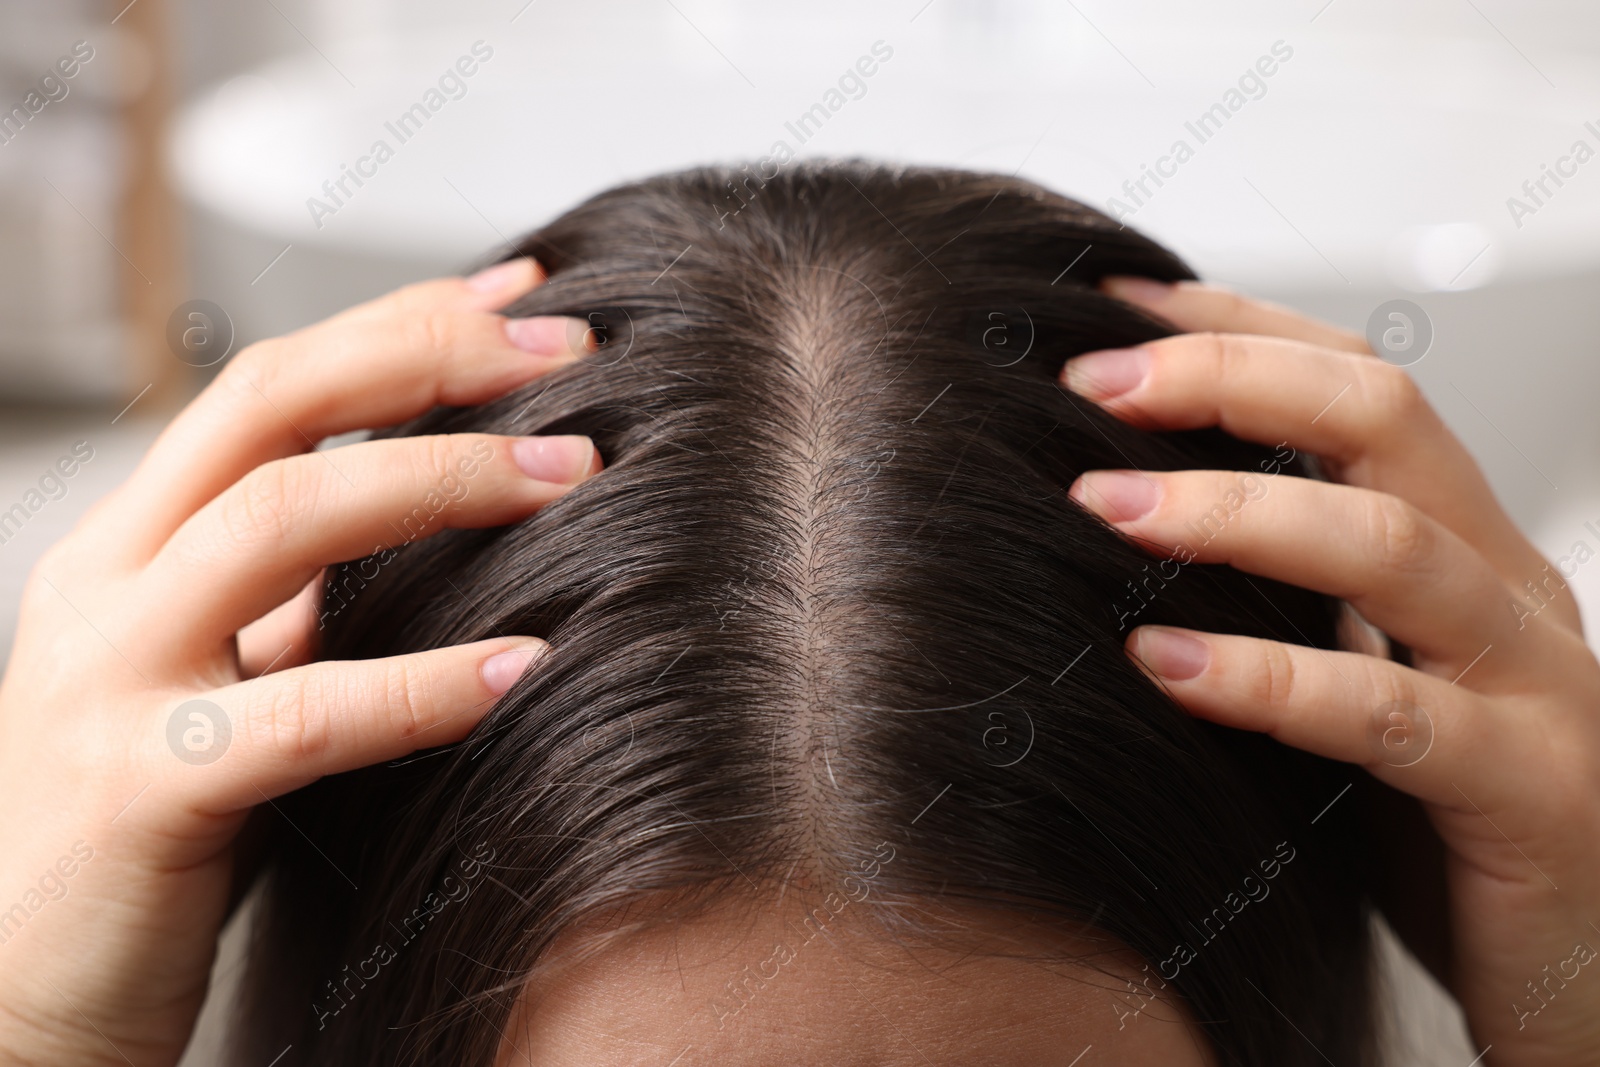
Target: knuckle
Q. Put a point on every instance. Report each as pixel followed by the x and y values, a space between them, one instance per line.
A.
pixel 254 364
pixel 1393 398
pixel 46 571
pixel 264 506
pixel 409 691
pixel 68 568
pixel 1204 355
pixel 95 513
pixel 290 727
pixel 1400 537
pixel 52 562
pixel 436 461
pixel 1232 356
pixel 1393 687
pixel 1347 340
pixel 435 331
pixel 439 454
pixel 1227 304
pixel 1276 679
pixel 1574 767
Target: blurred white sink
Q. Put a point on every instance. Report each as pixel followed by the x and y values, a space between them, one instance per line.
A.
pixel 1366 158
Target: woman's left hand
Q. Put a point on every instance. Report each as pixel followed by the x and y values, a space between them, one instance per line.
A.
pixel 1496 728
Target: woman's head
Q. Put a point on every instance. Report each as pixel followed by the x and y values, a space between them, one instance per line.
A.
pixel 836 685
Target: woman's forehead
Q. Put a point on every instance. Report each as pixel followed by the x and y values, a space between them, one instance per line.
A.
pixel 826 984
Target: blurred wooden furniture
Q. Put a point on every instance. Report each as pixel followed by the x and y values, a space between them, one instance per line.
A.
pixel 149 222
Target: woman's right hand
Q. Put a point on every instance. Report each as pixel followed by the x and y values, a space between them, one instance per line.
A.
pixel 139 725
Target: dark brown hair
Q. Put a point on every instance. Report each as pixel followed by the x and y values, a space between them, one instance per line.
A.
pixel 828 593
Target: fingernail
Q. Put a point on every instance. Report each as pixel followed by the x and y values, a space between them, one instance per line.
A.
pixel 516 273
pixel 564 460
pixel 1137 290
pixel 1107 373
pixel 1117 496
pixel 549 335
pixel 1170 654
pixel 501 671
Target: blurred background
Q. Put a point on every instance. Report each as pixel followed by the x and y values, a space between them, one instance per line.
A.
pixel 175 183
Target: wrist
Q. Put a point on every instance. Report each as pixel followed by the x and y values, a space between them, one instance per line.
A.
pixel 30 1038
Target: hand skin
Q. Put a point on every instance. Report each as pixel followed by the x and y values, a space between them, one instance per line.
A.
pixel 149 603
pixel 1413 539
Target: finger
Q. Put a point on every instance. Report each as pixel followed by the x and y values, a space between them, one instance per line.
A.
pixel 286 636
pixel 1366 418
pixel 1195 307
pixel 262 738
pixel 260 542
pixel 1405 573
pixel 429 344
pixel 1416 732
